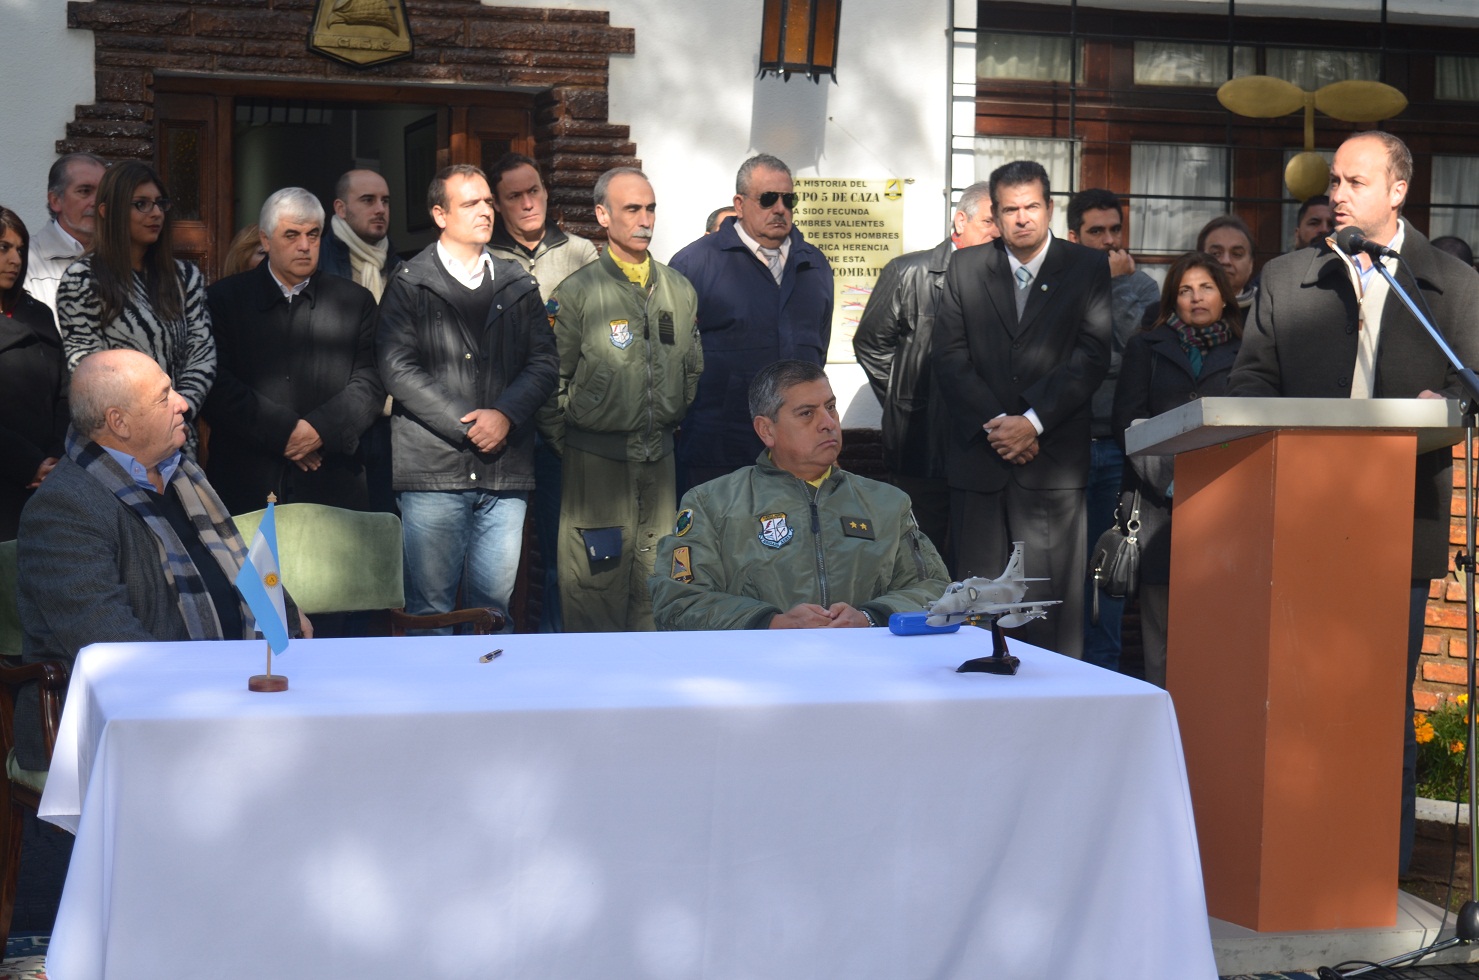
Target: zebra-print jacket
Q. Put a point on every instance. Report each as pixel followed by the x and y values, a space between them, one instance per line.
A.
pixel 185 348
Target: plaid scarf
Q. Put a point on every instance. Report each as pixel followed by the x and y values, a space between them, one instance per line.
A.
pixel 1195 339
pixel 206 512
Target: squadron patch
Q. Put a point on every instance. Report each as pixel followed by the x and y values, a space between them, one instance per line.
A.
pixel 774 531
pixel 621 334
pixel 858 527
pixel 684 522
pixel 552 310
pixel 682 565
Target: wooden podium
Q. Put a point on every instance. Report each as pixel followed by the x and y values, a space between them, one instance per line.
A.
pixel 1290 568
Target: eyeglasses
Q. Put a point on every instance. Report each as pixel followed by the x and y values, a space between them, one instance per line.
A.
pixel 143 205
pixel 768 199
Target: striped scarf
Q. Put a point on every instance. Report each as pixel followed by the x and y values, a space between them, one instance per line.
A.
pixel 1195 339
pixel 206 512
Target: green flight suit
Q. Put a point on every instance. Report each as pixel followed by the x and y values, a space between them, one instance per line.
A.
pixel 754 544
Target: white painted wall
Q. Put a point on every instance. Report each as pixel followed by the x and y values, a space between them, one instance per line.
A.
pixel 48 71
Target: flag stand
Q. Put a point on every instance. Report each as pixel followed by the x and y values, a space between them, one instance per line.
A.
pixel 268 683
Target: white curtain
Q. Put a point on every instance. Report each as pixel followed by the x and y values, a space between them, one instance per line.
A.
pixel 1454 183
pixel 1023 57
pixel 1183 172
pixel 1457 78
pixel 1189 64
pixel 1058 157
pixel 1311 69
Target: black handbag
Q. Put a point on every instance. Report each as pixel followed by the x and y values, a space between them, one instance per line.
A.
pixel 1115 562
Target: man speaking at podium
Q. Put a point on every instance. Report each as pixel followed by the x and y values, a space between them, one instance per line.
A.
pixel 1326 325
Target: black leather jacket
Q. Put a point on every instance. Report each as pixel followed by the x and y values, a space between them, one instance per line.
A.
pixel 438 369
pixel 892 344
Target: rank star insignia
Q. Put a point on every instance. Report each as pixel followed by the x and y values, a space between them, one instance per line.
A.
pixel 774 531
pixel 621 334
pixel 858 527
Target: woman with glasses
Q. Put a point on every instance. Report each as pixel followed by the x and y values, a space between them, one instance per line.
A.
pixel 130 291
pixel 33 380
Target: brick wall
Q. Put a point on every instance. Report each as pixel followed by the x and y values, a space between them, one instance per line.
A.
pixel 1443 667
pixel 562 56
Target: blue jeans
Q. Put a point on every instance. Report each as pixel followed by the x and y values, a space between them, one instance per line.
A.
pixel 467 538
pixel 1106 468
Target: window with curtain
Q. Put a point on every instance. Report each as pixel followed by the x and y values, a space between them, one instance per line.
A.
pixel 1175 188
pixel 1187 63
pixel 1059 158
pixel 1027 58
pixel 1310 69
pixel 1456 79
pixel 1455 209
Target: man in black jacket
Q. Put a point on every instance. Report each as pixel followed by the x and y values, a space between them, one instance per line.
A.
pixel 1328 326
pixel 893 345
pixel 1021 343
pixel 296 385
pixel 466 350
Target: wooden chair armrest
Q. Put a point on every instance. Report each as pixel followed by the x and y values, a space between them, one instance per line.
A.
pixel 484 620
pixel 51 679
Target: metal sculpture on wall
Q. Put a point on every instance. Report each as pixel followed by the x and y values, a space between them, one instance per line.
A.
pixel 1266 97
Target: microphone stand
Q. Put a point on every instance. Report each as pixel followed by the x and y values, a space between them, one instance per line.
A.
pixel 1466 925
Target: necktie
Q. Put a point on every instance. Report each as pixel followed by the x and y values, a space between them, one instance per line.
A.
pixel 773 259
pixel 1023 278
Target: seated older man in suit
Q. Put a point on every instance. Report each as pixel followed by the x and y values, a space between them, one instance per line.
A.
pixel 125 540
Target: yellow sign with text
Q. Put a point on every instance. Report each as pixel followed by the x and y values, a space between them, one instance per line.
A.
pixel 859 226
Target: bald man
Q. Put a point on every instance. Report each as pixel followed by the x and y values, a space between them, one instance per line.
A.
pixel 125 540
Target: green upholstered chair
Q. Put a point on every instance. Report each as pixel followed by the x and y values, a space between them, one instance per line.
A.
pixel 335 560
pixel 22 788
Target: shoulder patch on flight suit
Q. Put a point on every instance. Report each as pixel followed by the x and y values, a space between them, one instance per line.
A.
pixel 774 531
pixel 552 310
pixel 858 527
pixel 684 522
pixel 682 565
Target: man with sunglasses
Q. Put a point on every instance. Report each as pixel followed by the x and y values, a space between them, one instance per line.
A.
pixel 764 294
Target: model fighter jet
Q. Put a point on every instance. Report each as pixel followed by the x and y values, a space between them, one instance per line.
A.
pixel 1000 598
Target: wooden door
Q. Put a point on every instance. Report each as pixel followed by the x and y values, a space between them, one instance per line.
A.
pixel 192 152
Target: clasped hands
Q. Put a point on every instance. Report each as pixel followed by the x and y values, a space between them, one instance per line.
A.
pixel 809 615
pixel 1013 437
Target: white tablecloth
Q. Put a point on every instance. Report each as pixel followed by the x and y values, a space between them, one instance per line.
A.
pixel 743 805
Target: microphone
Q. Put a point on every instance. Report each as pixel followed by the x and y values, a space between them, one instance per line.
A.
pixel 1351 241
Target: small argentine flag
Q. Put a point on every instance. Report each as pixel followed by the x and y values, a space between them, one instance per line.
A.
pixel 260 584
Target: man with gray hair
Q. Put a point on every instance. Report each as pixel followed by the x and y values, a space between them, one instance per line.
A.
pixel 764 294
pixel 793 542
pixel 893 345
pixel 630 360
pixel 296 384
pixel 71 190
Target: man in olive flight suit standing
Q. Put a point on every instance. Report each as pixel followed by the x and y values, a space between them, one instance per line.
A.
pixel 630 360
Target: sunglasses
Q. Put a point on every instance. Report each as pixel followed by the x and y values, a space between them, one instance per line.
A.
pixel 768 199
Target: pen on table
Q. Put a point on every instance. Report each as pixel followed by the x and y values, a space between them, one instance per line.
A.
pixel 488 657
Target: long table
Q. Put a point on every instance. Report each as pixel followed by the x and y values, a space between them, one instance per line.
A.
pixel 802 804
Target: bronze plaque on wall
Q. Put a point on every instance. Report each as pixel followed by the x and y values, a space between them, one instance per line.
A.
pixel 361 32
